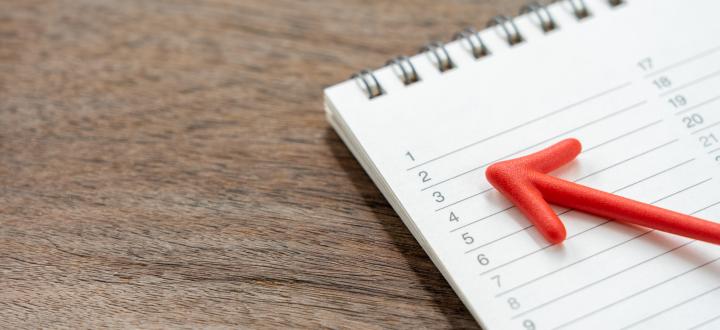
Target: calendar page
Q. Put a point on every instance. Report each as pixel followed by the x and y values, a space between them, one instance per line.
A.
pixel 638 83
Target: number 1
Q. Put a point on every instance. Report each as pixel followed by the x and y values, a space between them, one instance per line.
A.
pixel 410 155
pixel 646 64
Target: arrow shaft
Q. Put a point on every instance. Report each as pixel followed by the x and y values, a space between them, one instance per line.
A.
pixel 582 198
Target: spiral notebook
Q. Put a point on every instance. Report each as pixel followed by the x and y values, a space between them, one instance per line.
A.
pixel 636 81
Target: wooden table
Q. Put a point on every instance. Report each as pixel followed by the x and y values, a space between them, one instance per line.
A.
pixel 168 163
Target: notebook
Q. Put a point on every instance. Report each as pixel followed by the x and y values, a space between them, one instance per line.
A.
pixel 636 81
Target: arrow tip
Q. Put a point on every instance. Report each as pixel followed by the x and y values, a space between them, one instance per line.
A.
pixel 515 179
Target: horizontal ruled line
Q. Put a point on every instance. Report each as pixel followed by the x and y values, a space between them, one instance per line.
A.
pixel 597 253
pixel 707 292
pixel 704 323
pixel 584 151
pixel 572 264
pixel 629 159
pixel 691 83
pixel 576 180
pixel 547 303
pixel 706 127
pixel 569 210
pixel 585 231
pixel 464 199
pixel 682 62
pixel 703 103
pixel 624 135
pixel 556 299
pixel 567 107
pixel 628 108
pixel 635 294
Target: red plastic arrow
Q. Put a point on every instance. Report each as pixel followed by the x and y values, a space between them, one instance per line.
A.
pixel 524 182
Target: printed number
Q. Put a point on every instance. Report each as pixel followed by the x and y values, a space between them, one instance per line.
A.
pixel 453 217
pixel 424 176
pixel 678 101
pixel 483 260
pixel 439 197
pixel 693 120
pixel 467 238
pixel 529 325
pixel 662 82
pixel 410 156
pixel 514 304
pixel 708 140
pixel 646 64
pixel 496 278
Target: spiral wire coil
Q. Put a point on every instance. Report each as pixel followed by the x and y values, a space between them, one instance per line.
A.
pixel 439 56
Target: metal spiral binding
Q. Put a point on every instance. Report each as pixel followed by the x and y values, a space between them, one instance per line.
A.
pixel 406 69
pixel 472 38
pixel 579 8
pixel 440 56
pixel 369 83
pixel 512 34
pixel 547 23
pixel 403 67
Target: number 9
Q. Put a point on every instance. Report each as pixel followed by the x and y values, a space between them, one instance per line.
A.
pixel 529 325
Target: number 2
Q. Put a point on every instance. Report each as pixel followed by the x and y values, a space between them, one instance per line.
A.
pixel 693 120
pixel 424 176
pixel 708 140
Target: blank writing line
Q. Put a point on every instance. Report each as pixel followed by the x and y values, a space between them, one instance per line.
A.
pixel 464 199
pixel 714 150
pixel 645 232
pixel 623 135
pixel 629 159
pixel 635 294
pixel 567 107
pixel 693 82
pixel 584 151
pixel 708 101
pixel 551 301
pixel 568 210
pixel 539 143
pixel 571 264
pixel 672 307
pixel 705 322
pixel 585 231
pixel 706 127
pixel 576 180
pixel 683 61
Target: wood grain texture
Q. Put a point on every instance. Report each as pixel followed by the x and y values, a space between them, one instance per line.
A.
pixel 168 164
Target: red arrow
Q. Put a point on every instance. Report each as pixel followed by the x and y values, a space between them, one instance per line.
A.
pixel 524 182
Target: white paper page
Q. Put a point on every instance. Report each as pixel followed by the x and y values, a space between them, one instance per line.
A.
pixel 638 85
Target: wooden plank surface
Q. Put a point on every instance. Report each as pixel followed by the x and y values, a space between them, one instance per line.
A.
pixel 167 164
